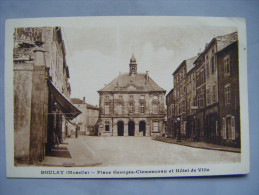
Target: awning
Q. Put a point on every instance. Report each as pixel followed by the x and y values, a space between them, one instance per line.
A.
pixel 64 105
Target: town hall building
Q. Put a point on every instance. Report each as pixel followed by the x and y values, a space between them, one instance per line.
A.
pixel 132 105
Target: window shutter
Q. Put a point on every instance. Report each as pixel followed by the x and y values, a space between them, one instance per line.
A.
pixel 224 128
pixel 233 128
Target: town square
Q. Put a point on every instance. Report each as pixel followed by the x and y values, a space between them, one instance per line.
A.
pixel 126 96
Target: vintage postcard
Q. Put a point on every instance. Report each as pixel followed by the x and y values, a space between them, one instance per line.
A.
pixel 126 97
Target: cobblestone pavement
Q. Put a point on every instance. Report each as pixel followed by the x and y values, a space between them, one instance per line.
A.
pixel 124 151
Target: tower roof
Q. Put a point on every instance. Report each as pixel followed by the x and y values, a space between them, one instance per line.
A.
pixel 133 59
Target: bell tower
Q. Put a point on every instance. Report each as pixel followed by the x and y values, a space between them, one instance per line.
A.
pixel 133 66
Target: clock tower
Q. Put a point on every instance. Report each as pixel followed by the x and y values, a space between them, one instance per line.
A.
pixel 133 66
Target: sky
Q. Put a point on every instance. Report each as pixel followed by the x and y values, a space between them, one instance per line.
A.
pixel 96 54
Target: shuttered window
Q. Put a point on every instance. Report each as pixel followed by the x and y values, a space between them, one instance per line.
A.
pixel 227 94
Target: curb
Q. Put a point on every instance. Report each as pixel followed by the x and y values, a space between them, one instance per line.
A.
pixel 207 148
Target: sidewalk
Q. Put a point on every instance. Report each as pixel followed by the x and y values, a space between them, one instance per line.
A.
pixel 73 152
pixel 195 144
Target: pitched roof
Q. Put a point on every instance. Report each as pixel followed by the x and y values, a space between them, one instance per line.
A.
pixel 89 106
pixel 76 101
pixel 138 82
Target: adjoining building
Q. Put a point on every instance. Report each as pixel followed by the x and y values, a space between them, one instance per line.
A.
pixel 170 102
pixel 208 110
pixel 180 97
pixel 92 119
pixel 132 105
pixel 41 92
pixel 87 120
pixel 229 100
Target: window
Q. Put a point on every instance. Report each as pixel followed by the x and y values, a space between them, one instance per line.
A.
pixel 194 102
pixel 142 97
pixel 229 129
pixel 213 93
pixel 212 64
pixel 155 125
pixel 107 126
pixel 208 96
pixel 155 111
pixel 184 89
pixel 107 109
pixel 183 106
pixel 155 97
pixel 172 110
pixel 226 66
pixel 119 109
pixel 142 109
pixel 207 69
pixel 106 97
pixel 200 100
pixel 131 108
pixel 227 94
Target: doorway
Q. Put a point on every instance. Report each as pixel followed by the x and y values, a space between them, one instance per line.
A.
pixel 131 128
pixel 142 127
pixel 120 126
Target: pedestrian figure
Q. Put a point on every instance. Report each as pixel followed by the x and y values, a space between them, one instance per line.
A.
pixel 77 128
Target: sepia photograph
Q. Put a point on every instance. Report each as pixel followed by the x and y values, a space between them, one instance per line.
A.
pixel 114 97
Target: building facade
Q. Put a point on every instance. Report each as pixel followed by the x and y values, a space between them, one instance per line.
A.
pixel 132 105
pixel 170 103
pixel 41 92
pixel 180 97
pixel 92 119
pixel 80 121
pixel 229 101
pixel 201 93
pixel 87 120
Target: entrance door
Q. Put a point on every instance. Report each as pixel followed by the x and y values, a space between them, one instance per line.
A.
pixel 120 126
pixel 131 128
pixel 142 127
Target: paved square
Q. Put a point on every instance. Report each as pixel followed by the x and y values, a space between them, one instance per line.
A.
pixel 129 151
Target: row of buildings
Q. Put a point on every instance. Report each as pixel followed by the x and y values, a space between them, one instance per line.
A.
pixel 204 103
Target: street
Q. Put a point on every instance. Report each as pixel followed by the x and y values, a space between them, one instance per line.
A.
pixel 124 151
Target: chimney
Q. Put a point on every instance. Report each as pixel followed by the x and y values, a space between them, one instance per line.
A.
pixel 147 77
pixel 83 99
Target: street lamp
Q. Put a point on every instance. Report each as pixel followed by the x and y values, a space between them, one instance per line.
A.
pixel 179 130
